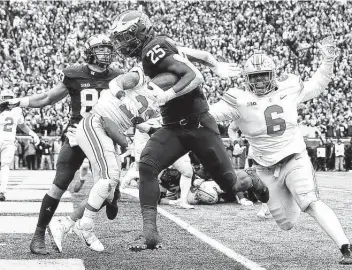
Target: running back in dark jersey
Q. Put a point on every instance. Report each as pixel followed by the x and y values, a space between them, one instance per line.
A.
pixel 84 86
pixel 193 103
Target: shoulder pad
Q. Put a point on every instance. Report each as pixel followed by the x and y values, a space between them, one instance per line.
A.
pixel 140 72
pixel 231 96
pixel 74 71
pixel 288 80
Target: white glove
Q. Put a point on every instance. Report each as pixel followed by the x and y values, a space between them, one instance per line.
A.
pixel 71 135
pixel 226 70
pixel 159 94
pixel 328 48
pixel 245 202
pixel 35 137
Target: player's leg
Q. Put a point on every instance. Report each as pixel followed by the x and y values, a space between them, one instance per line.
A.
pixel 83 172
pixel 100 150
pixel 301 182
pixel 162 149
pixel 184 166
pixel 281 204
pixel 208 146
pixel 7 155
pixel 70 159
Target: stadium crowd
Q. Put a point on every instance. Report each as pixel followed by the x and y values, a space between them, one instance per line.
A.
pixel 38 39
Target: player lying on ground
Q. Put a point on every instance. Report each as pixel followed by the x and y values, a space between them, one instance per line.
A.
pixel 83 83
pixel 266 113
pixel 187 125
pixel 117 110
pixel 9 120
pixel 201 192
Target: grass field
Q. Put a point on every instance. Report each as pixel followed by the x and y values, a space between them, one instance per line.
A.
pixel 231 225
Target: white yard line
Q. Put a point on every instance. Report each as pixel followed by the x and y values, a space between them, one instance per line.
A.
pixel 335 189
pixel 48 264
pixel 203 237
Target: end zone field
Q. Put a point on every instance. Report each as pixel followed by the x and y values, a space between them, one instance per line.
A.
pixel 224 236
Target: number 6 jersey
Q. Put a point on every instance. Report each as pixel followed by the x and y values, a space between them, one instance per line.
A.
pixel 269 122
pixel 84 86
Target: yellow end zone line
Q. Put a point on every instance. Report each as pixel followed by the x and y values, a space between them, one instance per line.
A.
pixel 208 240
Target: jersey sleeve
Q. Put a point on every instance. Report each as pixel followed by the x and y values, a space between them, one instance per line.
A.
pixel 140 72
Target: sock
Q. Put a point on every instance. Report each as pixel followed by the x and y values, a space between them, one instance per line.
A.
pixel 185 186
pixel 4 177
pixel 149 214
pixel 328 221
pixel 88 217
pixel 47 210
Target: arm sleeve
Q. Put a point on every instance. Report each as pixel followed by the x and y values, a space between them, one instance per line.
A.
pixel 318 82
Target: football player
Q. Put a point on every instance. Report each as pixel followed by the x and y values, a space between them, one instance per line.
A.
pixel 83 83
pixel 187 125
pixel 125 105
pixel 9 121
pixel 266 113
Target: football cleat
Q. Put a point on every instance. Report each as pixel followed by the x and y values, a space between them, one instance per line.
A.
pixel 2 197
pixel 181 204
pixel 112 208
pixel 264 212
pixel 58 230
pixel 346 251
pixel 87 235
pixel 260 190
pixel 140 243
pixel 37 245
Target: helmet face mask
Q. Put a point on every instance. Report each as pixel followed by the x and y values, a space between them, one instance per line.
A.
pixel 259 71
pixel 129 32
pixel 6 94
pixel 99 51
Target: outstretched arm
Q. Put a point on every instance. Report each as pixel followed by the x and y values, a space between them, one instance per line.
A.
pixel 134 78
pixel 222 111
pixel 40 100
pixel 29 132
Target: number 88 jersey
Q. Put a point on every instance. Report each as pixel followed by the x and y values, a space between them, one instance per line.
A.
pixel 84 86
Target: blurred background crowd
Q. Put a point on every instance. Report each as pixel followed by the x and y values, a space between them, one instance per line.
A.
pixel 38 39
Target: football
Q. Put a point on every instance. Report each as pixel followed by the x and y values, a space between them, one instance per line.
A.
pixel 165 80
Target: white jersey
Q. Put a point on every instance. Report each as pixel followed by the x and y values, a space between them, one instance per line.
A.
pixel 123 112
pixel 8 124
pixel 270 122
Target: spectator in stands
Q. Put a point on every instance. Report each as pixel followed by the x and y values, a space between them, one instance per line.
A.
pixel 18 153
pixel 46 155
pixel 330 154
pixel 39 153
pixel 236 154
pixel 339 155
pixel 321 156
pixel 30 151
pixel 348 156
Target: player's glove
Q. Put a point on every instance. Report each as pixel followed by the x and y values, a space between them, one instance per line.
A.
pixel 159 94
pixel 71 135
pixel 328 48
pixel 4 106
pixel 226 70
pixel 35 137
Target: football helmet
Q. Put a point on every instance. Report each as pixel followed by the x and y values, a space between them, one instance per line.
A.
pixel 129 32
pixel 6 94
pixel 99 50
pixel 259 71
pixel 204 193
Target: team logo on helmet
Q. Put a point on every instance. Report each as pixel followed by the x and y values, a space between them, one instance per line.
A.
pixel 259 71
pixel 129 31
pixel 99 50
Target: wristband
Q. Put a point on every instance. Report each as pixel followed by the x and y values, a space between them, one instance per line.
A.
pixel 170 94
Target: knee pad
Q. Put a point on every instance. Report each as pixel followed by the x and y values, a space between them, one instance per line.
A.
pixel 104 187
pixel 148 172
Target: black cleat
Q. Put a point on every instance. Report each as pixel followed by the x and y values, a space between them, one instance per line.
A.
pixel 346 254
pixel 112 208
pixel 141 243
pixel 37 245
pixel 260 190
pixel 2 197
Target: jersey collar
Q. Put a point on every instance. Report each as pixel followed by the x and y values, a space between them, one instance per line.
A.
pixel 97 74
